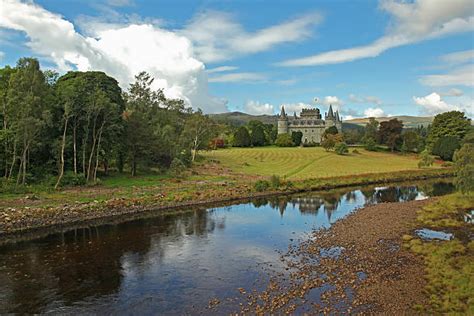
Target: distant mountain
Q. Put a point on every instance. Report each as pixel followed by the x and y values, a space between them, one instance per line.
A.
pixel 408 121
pixel 240 118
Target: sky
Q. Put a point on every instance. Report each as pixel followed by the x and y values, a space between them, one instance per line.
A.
pixel 366 58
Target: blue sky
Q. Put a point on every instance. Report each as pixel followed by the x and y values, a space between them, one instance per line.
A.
pixel 367 58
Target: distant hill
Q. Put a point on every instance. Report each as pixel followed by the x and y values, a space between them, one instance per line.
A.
pixel 408 121
pixel 240 118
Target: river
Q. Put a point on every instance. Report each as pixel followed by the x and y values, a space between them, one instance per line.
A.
pixel 176 263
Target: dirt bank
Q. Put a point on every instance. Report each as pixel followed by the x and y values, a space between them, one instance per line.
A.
pixel 370 272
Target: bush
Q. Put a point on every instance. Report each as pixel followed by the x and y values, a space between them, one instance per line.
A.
pixel 426 159
pixel 71 179
pixel 355 151
pixel 464 168
pixel 296 137
pixel 177 167
pixel 275 181
pixel 310 144
pixel 261 185
pixel 447 164
pixel 370 144
pixel 284 140
pixel 445 147
pixel 341 148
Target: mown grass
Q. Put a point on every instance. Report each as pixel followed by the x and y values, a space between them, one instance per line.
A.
pixel 449 264
pixel 298 163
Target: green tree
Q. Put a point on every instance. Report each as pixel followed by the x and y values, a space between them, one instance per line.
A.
pixel 296 137
pixel 370 134
pixel 341 148
pixel 453 123
pixel 257 133
pixel 411 141
pixel 390 133
pixel 242 137
pixel 198 131
pixel 445 146
pixel 331 130
pixel 464 168
pixel 284 140
pixel 426 160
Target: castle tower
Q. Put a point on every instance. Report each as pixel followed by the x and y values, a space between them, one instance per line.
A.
pixel 283 122
pixel 338 122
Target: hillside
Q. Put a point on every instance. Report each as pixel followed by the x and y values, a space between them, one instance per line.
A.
pixel 240 118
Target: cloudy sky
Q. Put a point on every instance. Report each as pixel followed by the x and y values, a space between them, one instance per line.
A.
pixel 367 58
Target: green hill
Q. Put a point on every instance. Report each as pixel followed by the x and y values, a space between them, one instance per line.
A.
pixel 408 121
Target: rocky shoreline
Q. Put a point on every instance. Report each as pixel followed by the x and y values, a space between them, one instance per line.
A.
pixel 370 273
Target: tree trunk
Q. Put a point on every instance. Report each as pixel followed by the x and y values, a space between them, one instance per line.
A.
pixel 74 146
pixel 25 162
pixel 63 144
pixel 97 154
pixel 94 140
pixel 13 160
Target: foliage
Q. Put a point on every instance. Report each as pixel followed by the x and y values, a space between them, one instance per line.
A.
pixel 72 179
pixel 464 168
pixel 177 167
pixel 445 146
pixel 261 185
pixel 355 151
pixel 296 137
pixel 331 130
pixel 341 148
pixel 453 123
pixel 284 140
pixel 389 134
pixel 257 133
pixel 275 181
pixel 426 160
pixel 411 141
pixel 370 144
pixel 242 137
pixel 330 140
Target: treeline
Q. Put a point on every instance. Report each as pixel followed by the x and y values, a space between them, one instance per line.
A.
pixel 71 126
pixel 442 138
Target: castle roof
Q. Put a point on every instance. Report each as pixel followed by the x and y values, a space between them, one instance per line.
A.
pixel 283 113
pixel 330 112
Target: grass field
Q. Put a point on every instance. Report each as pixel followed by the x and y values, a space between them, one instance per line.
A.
pixel 298 163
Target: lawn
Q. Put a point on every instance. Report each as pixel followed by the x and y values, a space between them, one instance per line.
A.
pixel 298 163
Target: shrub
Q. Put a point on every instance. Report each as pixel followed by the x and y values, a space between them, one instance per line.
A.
pixel 355 151
pixel 447 164
pixel 296 137
pixel 71 179
pixel 370 144
pixel 445 147
pixel 341 148
pixel 275 181
pixel 261 185
pixel 426 159
pixel 310 144
pixel 284 140
pixel 177 167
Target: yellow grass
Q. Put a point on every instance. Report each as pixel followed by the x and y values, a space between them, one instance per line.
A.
pixel 311 162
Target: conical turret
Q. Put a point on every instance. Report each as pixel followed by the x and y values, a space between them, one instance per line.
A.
pixel 330 112
pixel 282 113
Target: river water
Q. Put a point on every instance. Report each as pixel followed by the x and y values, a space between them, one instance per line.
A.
pixel 176 264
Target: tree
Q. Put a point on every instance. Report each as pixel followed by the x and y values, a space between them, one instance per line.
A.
pixel 242 137
pixel 390 132
pixel 257 133
pixel 296 137
pixel 341 148
pixel 464 168
pixel 198 131
pixel 411 141
pixel 445 147
pixel 426 160
pixel 329 141
pixel 331 130
pixel 370 134
pixel 284 140
pixel 453 123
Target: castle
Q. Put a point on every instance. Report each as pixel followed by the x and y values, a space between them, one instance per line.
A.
pixel 310 123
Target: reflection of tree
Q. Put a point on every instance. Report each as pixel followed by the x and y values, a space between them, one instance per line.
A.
pixel 258 202
pixel 88 262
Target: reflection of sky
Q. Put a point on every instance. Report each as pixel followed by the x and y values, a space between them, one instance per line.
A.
pixel 169 265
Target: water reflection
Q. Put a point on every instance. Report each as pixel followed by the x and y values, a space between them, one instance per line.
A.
pixel 176 263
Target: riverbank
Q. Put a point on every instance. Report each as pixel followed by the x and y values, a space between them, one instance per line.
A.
pixel 373 262
pixel 33 213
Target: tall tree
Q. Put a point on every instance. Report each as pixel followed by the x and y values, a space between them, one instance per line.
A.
pixel 453 123
pixel 390 134
pixel 198 131
pixel 242 137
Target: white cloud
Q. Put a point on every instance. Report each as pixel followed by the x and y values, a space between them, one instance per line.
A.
pixel 290 108
pixel 222 69
pixel 120 52
pixel 120 3
pixel 334 101
pixel 458 57
pixel 463 76
pixel 368 99
pixel 2 55
pixel 257 108
pixel 246 77
pixel 453 92
pixel 217 36
pixel 411 22
pixel 374 112
pixel 432 104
